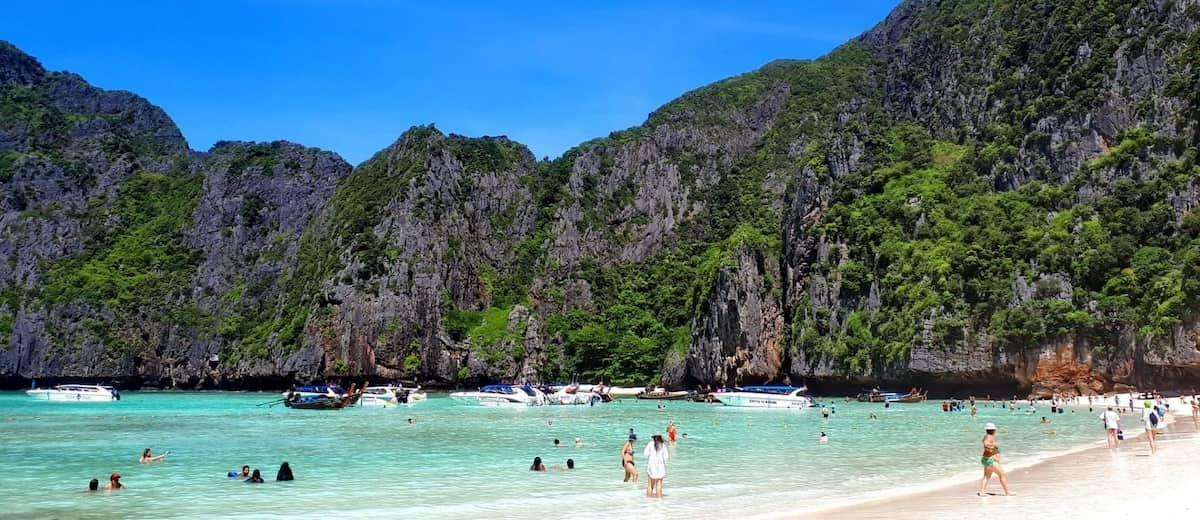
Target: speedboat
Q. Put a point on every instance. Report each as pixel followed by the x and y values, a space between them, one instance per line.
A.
pixel 502 395
pixel 390 395
pixel 624 391
pixel 576 394
pixel 91 393
pixel 661 393
pixel 766 397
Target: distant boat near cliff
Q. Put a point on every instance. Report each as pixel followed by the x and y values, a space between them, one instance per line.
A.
pixel 77 393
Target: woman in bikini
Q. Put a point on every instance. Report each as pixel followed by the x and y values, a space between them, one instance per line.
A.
pixel 627 462
pixel 991 461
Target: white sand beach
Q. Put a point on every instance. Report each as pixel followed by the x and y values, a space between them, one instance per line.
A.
pixel 1094 484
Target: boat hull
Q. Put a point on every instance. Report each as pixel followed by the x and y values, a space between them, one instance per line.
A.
pixel 491 400
pixel 322 402
pixel 749 400
pixel 664 396
pixel 75 396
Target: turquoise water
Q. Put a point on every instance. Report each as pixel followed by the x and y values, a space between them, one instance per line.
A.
pixel 459 461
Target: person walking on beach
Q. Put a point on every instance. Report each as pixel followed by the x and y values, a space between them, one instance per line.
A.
pixel 656 454
pixel 1151 422
pixel 1196 412
pixel 991 461
pixel 1112 424
pixel 627 461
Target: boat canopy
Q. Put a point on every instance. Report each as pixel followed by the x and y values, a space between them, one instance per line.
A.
pixel 772 389
pixel 318 388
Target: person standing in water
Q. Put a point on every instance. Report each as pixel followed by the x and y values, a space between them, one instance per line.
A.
pixel 284 473
pixel 656 454
pixel 991 461
pixel 627 461
pixel 671 430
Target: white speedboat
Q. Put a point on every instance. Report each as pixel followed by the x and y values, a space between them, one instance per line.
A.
pixel 91 393
pixel 766 397
pixel 624 391
pixel 576 394
pixel 502 395
pixel 390 395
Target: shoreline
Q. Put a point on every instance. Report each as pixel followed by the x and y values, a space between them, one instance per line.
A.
pixel 1059 485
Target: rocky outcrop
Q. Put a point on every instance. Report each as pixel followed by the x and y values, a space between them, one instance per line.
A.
pixel 738 336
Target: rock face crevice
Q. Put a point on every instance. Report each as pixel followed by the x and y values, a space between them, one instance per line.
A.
pixel 987 196
pixel 738 336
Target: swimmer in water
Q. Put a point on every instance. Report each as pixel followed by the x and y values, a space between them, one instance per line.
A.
pixel 824 438
pixel 557 444
pixel 578 442
pixel 147 458
pixel 537 465
pixel 93 486
pixel 255 478
pixel 114 482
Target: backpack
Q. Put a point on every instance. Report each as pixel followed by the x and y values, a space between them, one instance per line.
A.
pixel 1153 419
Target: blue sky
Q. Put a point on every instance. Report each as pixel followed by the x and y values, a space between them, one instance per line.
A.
pixel 351 75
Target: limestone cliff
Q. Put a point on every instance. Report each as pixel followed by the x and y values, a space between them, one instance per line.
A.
pixel 972 195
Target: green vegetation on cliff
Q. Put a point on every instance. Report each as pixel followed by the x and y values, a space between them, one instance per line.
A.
pixel 137 254
pixel 974 175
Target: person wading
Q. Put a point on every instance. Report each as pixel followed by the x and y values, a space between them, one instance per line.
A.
pixel 656 454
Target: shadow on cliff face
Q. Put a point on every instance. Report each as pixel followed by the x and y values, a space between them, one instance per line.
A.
pixel 960 386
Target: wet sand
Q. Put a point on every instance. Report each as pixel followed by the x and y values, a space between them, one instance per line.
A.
pixel 1092 484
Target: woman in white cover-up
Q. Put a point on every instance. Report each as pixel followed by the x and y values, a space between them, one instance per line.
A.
pixel 656 461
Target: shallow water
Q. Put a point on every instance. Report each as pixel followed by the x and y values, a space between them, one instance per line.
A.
pixel 459 461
